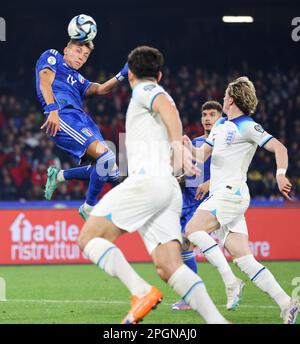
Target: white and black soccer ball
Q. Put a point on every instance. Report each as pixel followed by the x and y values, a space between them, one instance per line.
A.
pixel 82 28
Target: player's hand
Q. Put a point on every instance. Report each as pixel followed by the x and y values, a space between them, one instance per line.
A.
pixel 190 168
pixel 124 71
pixel 202 190
pixel 52 124
pixel 186 140
pixel 284 186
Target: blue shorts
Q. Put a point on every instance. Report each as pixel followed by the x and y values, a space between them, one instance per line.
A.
pixel 186 215
pixel 77 132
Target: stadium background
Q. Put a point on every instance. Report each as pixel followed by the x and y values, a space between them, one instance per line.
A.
pixel 201 55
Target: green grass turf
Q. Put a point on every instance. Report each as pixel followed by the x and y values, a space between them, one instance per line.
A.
pixel 84 294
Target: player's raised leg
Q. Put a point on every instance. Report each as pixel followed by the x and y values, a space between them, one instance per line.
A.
pixel 104 168
pixel 56 176
pixel 202 223
pixel 238 246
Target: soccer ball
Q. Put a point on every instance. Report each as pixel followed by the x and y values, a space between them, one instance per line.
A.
pixel 82 28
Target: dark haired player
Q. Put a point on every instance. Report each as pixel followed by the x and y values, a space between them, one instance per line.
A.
pixel 149 199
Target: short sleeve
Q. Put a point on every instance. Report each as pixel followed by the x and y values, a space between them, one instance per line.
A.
pixel 210 139
pixel 48 59
pixel 145 94
pixel 85 84
pixel 254 132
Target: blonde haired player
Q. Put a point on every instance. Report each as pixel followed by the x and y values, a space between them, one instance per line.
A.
pixel 232 144
pixel 149 199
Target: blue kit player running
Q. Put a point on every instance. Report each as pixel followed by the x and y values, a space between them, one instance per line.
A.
pixel 191 193
pixel 60 90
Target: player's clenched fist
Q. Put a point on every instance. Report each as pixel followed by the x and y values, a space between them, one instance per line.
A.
pixel 52 123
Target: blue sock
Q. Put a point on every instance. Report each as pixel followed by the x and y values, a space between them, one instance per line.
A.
pixel 114 177
pixel 82 172
pixel 189 260
pixel 99 176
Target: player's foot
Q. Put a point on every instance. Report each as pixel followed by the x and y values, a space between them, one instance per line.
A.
pixel 180 305
pixel 52 183
pixel 85 210
pixel 290 313
pixel 234 294
pixel 140 307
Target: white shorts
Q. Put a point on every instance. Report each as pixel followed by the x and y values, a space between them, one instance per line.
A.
pixel 238 225
pixel 151 205
pixel 229 209
pixel 226 205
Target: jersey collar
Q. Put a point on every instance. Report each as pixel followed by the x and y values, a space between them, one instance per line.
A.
pixel 237 120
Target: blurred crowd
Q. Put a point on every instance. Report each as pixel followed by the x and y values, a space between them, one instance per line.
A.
pixel 26 151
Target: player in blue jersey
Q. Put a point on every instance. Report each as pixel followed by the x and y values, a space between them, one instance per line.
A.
pixel 195 188
pixel 61 89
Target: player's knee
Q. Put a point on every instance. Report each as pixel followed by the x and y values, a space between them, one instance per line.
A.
pixel 191 227
pixel 83 237
pixel 86 234
pixel 81 241
pixel 105 164
pixel 166 270
pixel 163 273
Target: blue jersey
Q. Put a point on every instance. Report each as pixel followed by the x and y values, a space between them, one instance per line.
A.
pixel 191 183
pixel 68 87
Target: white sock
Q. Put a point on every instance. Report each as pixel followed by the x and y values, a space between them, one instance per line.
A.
pixel 213 254
pixel 192 290
pixel 60 176
pixel 109 258
pixel 263 279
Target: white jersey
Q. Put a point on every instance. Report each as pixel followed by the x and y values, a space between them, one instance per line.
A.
pixel 147 141
pixel 234 144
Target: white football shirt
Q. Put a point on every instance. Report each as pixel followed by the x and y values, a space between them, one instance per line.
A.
pixel 147 141
pixel 234 144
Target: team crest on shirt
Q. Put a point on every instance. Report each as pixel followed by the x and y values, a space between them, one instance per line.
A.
pixel 230 136
pixel 81 78
pixel 86 132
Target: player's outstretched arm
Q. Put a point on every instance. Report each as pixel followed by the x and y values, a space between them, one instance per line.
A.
pixel 181 156
pixel 46 80
pixel 100 89
pixel 281 156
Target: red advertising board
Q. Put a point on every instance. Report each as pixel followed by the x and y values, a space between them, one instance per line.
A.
pixel 50 236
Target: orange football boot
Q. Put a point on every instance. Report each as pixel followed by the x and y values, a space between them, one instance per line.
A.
pixel 140 307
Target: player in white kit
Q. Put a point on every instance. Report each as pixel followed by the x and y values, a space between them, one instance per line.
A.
pixel 232 144
pixel 149 200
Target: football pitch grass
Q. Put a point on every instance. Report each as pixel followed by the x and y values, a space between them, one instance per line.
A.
pixel 83 294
